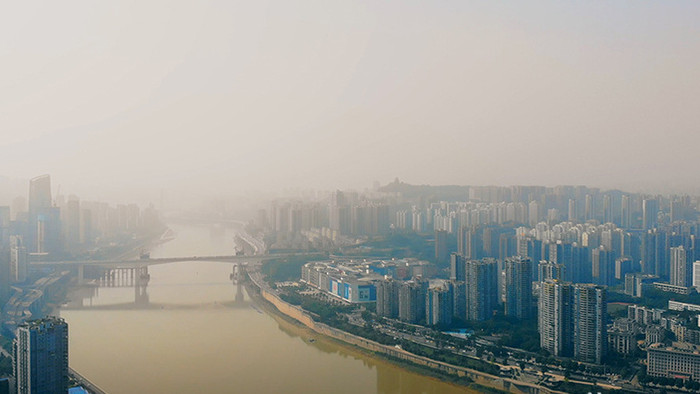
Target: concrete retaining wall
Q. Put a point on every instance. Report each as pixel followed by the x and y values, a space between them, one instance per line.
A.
pixel 303 317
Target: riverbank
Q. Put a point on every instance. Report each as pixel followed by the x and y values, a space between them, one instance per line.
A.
pixel 394 354
pixel 296 328
pixel 48 293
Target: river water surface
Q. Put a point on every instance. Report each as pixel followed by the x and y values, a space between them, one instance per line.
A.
pixel 195 332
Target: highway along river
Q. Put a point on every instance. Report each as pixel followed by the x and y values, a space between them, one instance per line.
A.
pixel 191 331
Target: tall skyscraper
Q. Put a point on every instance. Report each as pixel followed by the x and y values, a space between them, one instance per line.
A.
pixel 603 266
pixel 680 274
pixel 457 267
pixel 459 299
pixel 572 320
pixel 467 243
pixel 572 210
pixel 5 274
pixel 339 213
pixel 41 356
pixel 590 211
pixel 18 259
pixel 623 266
pixel 412 300
pixel 441 252
pixel 534 213
pixel 626 220
pixel 696 275
pixel 650 212
pixel 518 287
pixel 388 298
pixel 590 313
pixel 438 305
pixel 5 217
pixel 482 288
pixel 44 220
pixel 39 205
pixel 555 317
pixel 580 267
pixel 39 193
pixel 607 209
pixel 71 224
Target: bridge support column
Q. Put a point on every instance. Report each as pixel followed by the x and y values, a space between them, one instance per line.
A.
pixel 81 274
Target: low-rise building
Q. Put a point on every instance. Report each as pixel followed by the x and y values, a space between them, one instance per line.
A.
pixel 682 306
pixel 344 280
pixel 643 315
pixel 679 361
pixel 621 341
pixel 654 334
pixel 667 287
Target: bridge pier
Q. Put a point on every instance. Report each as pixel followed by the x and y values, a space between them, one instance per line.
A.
pixel 141 279
pixel 120 277
pixel 81 274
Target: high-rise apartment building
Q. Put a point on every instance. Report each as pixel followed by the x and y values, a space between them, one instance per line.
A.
pixel 71 223
pixel 608 216
pixel 680 274
pixel 459 299
pixel 5 274
pixel 696 275
pixel 482 288
pixel 626 219
pixel 39 212
pixel 590 313
pixel 388 298
pixel 533 213
pixel 550 270
pixel 18 259
pixel 572 211
pixel 590 211
pixel 555 317
pixel 441 252
pixel 438 305
pixel 412 300
pixel 5 218
pixel 457 267
pixel 572 320
pixel 650 213
pixel 603 266
pixel 41 356
pixel 518 287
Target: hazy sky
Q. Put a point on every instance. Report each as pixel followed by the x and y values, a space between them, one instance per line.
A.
pixel 115 97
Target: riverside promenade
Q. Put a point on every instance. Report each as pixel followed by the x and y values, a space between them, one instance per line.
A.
pixel 300 315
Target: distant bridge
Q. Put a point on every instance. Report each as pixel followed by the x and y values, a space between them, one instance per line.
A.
pixel 130 267
pixel 116 263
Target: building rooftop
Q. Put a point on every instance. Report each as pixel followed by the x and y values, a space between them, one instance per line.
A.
pixel 49 320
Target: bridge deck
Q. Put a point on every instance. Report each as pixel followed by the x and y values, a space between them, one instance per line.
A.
pixel 165 260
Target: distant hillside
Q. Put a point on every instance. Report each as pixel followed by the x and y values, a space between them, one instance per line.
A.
pixel 443 193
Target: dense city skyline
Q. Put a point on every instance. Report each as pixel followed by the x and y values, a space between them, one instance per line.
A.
pixel 349 197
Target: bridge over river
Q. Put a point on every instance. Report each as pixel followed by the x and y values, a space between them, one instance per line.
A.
pixel 132 269
pixel 165 260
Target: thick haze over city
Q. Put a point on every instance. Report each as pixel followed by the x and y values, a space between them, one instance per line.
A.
pixel 313 196
pixel 118 99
